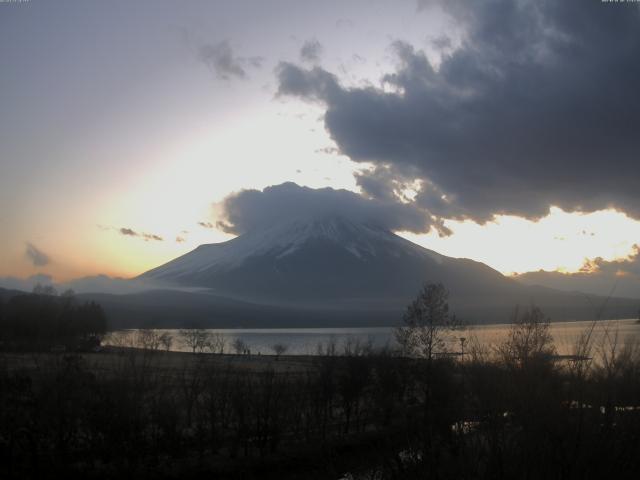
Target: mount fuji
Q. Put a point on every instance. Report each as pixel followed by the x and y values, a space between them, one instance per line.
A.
pixel 321 260
pixel 334 264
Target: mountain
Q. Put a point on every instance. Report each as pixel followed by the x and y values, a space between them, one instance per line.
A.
pixel 335 265
pixel 7 293
pixel 328 259
pixel 604 281
pixel 328 272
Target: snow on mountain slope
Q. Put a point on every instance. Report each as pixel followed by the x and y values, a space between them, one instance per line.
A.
pixel 334 266
pixel 319 259
pixel 362 241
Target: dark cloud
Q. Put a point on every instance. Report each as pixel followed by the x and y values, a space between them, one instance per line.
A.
pixel 151 236
pixel 442 43
pixel 618 277
pixel 250 210
pixel 383 182
pixel 315 84
pixel 539 106
pixel 128 231
pixel 146 236
pixel 224 63
pixel 311 51
pixel 36 256
pixel 621 267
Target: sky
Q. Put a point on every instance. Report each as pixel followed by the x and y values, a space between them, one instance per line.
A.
pixel 503 131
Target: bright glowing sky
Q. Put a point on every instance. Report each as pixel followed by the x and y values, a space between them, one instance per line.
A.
pixel 110 120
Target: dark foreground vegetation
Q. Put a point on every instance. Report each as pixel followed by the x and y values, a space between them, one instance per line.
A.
pixel 44 320
pixel 515 410
pixel 139 414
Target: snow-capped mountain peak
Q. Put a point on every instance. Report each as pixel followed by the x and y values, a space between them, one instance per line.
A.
pixel 317 258
pixel 362 241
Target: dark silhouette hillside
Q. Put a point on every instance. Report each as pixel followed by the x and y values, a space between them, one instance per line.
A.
pixel 42 320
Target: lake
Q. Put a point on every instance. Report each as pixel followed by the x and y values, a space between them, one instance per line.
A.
pixel 305 341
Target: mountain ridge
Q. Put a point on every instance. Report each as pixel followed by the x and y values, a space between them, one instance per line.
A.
pixel 332 264
pixel 327 272
pixel 330 258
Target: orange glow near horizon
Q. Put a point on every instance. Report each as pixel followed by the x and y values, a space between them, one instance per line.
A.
pixel 561 241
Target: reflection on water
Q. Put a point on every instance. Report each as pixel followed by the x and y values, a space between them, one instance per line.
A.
pixel 305 341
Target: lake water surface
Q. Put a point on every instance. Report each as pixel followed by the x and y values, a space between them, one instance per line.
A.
pixel 305 341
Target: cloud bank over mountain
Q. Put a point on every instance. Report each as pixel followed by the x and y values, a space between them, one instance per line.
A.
pixel 618 278
pixel 250 210
pixel 537 106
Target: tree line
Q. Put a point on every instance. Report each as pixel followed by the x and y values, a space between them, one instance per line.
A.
pixel 515 410
pixel 44 320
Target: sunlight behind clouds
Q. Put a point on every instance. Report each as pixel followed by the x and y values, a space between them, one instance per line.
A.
pixel 276 143
pixel 561 241
pixel 155 157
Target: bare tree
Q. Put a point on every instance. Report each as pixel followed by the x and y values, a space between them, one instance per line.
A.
pixel 121 339
pixel 48 290
pixel 279 349
pixel 355 347
pixel 216 343
pixel 529 339
pixel 328 350
pixel 426 323
pixel 239 346
pixel 166 339
pixel 197 339
pixel 148 340
pixel 68 294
